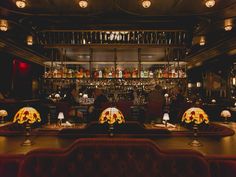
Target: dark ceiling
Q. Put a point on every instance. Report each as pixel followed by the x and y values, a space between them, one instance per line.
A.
pixel 190 15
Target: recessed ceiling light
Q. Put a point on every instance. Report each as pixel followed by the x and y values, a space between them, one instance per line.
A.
pixel 146 4
pixel 83 3
pixel 210 3
pixel 20 4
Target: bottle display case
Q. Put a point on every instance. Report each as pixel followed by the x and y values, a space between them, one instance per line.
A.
pixel 113 76
pixel 115 70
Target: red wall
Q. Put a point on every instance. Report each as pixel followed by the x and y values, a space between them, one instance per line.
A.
pixel 16 76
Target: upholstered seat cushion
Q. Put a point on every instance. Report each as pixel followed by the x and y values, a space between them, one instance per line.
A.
pixel 113 158
pixel 9 165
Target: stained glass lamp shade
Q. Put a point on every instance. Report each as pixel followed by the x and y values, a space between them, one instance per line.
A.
pixel 195 115
pixel 111 115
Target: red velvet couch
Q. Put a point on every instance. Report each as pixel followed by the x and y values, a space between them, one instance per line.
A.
pixel 222 166
pixel 113 158
pixel 9 165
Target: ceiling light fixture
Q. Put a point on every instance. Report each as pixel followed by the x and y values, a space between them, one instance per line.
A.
pixel 83 3
pixel 21 4
pixel 202 41
pixel 146 4
pixel 228 25
pixel 210 3
pixel 3 25
pixel 29 40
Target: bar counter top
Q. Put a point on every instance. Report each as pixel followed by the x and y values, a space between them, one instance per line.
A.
pixel 224 146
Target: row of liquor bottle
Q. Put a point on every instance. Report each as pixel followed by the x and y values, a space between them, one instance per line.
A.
pixel 109 37
pixel 110 73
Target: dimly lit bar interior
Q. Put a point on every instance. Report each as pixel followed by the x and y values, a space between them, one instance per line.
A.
pixel 117 88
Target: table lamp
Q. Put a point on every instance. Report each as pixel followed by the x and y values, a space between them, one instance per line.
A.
pixel 226 115
pixel 111 116
pixel 27 116
pixel 60 117
pixel 3 113
pixel 166 117
pixel 196 116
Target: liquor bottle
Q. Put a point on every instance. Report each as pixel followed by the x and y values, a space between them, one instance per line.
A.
pixel 100 74
pixel 165 73
pixel 120 74
pixel 146 73
pixel 142 74
pixel 135 73
pixel 160 73
pixel 150 74
pixel 95 74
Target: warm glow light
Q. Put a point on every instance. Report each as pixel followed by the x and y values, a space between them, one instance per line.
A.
pixel 83 3
pixel 225 114
pixel 202 41
pixel 111 115
pixel 3 113
pixel 21 4
pixel 30 40
pixel 189 85
pixel 210 3
pixel 27 115
pixel 146 3
pixel 199 84
pixel 213 101
pixel 3 25
pixel 234 80
pixel 60 116
pixel 166 117
pixel 228 25
pixel 195 115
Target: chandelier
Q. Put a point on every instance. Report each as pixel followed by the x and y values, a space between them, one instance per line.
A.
pixel 3 25
pixel 83 3
pixel 202 41
pixel 210 3
pixel 29 40
pixel 20 4
pixel 228 25
pixel 146 3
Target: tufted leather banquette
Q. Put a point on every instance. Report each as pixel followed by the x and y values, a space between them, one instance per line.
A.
pixel 113 157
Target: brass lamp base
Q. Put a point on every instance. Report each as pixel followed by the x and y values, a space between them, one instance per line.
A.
pixel 111 130
pixel 27 142
pixel 226 121
pixel 195 143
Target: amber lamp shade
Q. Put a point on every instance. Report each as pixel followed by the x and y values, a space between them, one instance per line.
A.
pixel 226 115
pixel 111 116
pixel 3 113
pixel 27 116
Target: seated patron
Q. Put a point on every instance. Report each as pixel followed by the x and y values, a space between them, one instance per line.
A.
pixel 155 105
pixel 99 101
pixel 71 95
pixel 71 100
pixel 178 105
